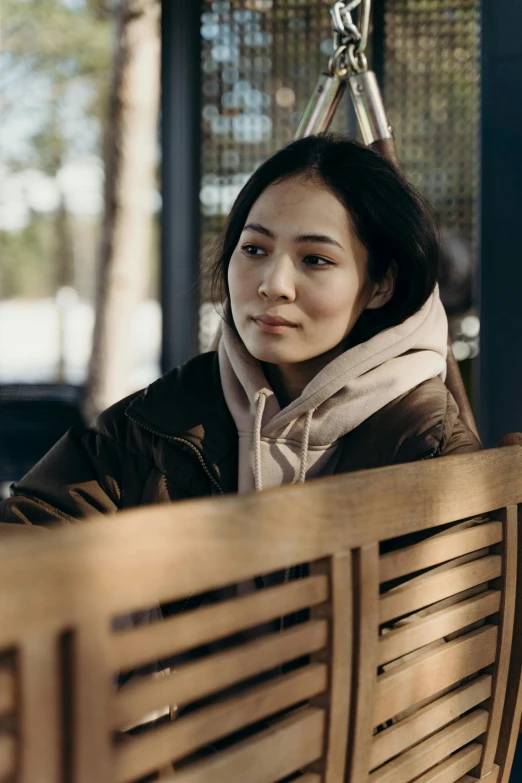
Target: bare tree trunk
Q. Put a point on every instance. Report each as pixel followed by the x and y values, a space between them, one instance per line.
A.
pixel 64 277
pixel 130 156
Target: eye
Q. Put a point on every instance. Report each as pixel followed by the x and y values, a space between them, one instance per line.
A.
pixel 317 261
pixel 251 250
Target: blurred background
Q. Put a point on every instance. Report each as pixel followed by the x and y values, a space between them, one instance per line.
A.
pixel 128 128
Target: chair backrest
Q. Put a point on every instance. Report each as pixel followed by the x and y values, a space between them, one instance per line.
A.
pixel 391 659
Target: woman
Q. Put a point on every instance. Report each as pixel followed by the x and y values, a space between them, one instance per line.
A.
pixel 331 356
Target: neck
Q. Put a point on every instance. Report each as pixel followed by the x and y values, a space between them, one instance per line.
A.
pixel 289 380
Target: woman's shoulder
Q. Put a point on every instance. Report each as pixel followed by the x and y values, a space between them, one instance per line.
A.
pixel 420 424
pixel 169 405
pixel 426 423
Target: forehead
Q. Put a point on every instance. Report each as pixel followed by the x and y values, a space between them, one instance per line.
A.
pixel 300 205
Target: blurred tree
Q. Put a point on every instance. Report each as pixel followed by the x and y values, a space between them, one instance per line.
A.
pixel 130 161
pixel 62 48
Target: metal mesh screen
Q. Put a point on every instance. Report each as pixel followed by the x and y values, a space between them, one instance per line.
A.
pixel 432 93
pixel 260 62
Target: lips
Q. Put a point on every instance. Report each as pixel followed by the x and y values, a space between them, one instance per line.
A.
pixel 273 324
pixel 270 320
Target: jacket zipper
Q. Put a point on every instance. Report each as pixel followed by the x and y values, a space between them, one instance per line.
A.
pixel 186 443
pixel 201 461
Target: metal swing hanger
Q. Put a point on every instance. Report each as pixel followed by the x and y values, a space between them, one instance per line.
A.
pixel 349 39
pixel 348 65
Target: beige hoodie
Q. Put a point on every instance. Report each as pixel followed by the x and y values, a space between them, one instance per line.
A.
pixel 287 446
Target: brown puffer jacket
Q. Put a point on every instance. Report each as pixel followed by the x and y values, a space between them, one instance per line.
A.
pixel 177 440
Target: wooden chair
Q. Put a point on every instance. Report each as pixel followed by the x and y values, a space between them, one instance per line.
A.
pixel 345 687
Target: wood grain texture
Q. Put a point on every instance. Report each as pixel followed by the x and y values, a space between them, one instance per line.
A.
pixel 438 549
pixel 112 567
pixel 435 626
pixel 78 579
pixel 434 716
pixel 424 756
pixel 168 637
pixel 143 754
pixel 7 756
pixel 40 709
pixel 507 617
pixel 493 776
pixel 453 768
pixel 210 675
pixel 512 713
pixel 366 597
pixel 340 667
pixel 432 671
pixel 92 691
pixel 7 691
pixel 286 747
pixel 430 589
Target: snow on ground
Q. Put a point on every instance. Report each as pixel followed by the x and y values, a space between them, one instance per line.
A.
pixel 31 332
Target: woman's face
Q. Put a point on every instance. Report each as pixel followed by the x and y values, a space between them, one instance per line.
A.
pixel 297 277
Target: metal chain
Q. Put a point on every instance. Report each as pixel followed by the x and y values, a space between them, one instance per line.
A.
pixel 349 41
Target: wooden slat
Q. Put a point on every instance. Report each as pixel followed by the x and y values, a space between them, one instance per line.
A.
pixel 432 671
pixel 511 719
pixel 366 578
pixel 273 754
pixel 433 750
pixel 127 564
pixel 340 667
pixel 144 644
pixel 7 691
pixel 438 550
pixel 7 756
pixel 434 716
pixel 492 777
pixel 507 616
pixel 430 589
pixel 40 709
pixel 453 768
pixel 140 755
pixel 401 641
pixel 92 688
pixel 212 674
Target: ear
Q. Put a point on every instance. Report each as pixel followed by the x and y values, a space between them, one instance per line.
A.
pixel 383 290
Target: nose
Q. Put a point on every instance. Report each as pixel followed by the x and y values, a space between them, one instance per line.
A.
pixel 278 280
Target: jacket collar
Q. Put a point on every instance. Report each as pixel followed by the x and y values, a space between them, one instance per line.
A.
pixel 188 403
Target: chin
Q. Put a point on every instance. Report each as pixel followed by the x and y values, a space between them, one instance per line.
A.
pixel 273 354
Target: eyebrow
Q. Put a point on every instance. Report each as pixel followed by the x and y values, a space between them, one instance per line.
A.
pixel 323 238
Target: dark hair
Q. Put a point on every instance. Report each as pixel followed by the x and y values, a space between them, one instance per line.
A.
pixel 390 217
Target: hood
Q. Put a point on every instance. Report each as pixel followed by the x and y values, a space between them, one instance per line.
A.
pixel 279 446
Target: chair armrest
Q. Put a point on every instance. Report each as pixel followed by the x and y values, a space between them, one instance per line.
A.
pixel 512 439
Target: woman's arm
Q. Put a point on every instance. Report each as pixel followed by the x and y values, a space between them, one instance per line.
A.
pixel 79 477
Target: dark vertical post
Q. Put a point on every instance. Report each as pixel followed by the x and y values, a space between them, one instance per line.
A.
pixel 180 179
pixel 501 221
pixel 378 42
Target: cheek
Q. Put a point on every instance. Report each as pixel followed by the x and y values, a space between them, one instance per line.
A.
pixel 241 281
pixel 334 299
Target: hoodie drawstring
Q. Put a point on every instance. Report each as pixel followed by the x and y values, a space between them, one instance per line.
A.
pixel 261 402
pixel 258 482
pixel 304 446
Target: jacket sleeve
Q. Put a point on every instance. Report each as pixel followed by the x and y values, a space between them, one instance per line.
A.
pixel 78 478
pixel 461 441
